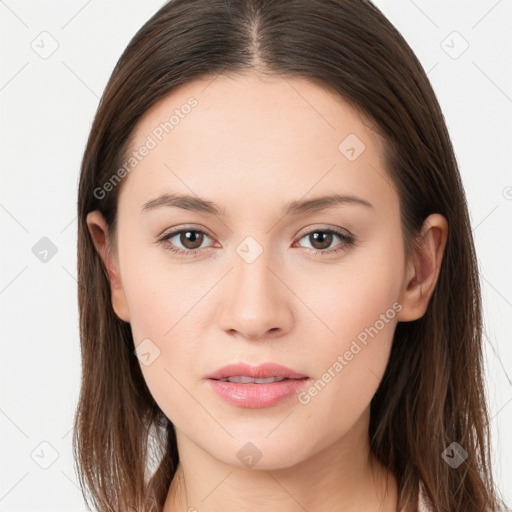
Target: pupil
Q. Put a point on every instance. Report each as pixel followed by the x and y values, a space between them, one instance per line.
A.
pixel 321 238
pixel 191 237
pixel 325 239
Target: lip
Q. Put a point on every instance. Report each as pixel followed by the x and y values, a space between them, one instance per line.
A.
pixel 252 395
pixel 261 372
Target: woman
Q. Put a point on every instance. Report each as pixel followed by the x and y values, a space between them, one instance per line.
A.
pixel 278 290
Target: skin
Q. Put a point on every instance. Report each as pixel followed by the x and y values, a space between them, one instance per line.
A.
pixel 251 145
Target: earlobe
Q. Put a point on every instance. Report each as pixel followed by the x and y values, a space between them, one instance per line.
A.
pixel 423 271
pixel 99 233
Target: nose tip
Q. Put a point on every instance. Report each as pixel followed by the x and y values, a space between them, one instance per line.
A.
pixel 255 302
pixel 253 331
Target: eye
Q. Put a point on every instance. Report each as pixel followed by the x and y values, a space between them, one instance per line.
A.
pixel 190 239
pixel 321 239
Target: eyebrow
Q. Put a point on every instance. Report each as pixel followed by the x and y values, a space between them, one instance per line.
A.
pixel 194 203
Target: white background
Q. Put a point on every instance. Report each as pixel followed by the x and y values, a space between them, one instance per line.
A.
pixel 47 106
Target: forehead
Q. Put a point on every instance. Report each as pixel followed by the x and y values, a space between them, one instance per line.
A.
pixel 243 138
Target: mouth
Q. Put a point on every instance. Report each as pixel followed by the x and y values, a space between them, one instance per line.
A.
pixel 244 379
pixel 246 386
pixel 245 374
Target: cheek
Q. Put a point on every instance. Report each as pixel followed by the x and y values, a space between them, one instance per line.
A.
pixel 166 349
pixel 358 308
pixel 349 368
pixel 155 291
pixel 353 294
pixel 161 307
pixel 165 304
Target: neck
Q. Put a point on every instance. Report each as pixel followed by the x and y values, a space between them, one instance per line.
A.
pixel 343 477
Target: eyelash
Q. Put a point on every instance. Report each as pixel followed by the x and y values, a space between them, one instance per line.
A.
pixel 346 241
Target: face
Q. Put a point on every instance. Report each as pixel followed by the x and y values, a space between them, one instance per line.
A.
pixel 263 272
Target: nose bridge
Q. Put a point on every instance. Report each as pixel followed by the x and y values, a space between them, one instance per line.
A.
pixel 254 300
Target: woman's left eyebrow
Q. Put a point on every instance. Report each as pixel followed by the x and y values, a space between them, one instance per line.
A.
pixel 297 207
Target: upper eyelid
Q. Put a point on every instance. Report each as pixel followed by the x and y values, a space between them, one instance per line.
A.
pixel 206 232
pixel 174 232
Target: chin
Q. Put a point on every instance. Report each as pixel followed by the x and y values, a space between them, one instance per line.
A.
pixel 258 453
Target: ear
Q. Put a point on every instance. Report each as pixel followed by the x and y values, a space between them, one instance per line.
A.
pixel 99 233
pixel 423 270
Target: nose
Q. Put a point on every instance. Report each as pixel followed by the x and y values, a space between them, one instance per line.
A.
pixel 256 302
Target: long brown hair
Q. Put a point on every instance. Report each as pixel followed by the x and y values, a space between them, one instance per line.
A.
pixel 432 393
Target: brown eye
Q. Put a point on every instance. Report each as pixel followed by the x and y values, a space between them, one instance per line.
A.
pixel 186 242
pixel 191 239
pixel 320 239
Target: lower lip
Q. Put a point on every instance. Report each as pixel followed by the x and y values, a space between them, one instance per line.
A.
pixel 256 396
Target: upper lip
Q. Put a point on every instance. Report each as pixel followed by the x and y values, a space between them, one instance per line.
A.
pixel 259 372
